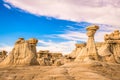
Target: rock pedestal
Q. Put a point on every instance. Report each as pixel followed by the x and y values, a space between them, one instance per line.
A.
pixel 89 52
pixel 23 53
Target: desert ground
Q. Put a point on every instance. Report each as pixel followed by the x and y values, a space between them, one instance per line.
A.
pixel 69 71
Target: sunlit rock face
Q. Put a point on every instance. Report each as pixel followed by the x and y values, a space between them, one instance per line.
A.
pixel 89 52
pixel 110 51
pixel 23 53
pixel 3 55
pixel 78 48
pixel 47 58
pixel 107 51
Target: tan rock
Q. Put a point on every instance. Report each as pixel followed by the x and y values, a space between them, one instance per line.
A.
pixel 113 37
pixel 90 51
pixel 3 55
pixel 47 58
pixel 78 48
pixel 23 53
pixel 105 53
pixel 58 63
pixel 110 51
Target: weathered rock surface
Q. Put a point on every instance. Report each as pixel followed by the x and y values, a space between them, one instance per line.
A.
pixel 3 55
pixel 78 48
pixel 46 58
pixel 110 51
pixel 89 52
pixel 23 53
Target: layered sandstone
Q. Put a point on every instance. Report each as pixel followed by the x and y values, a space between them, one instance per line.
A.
pixel 110 52
pixel 23 53
pixel 107 51
pixel 47 58
pixel 78 48
pixel 3 55
pixel 89 52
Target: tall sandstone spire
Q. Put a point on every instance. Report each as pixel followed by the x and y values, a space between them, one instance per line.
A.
pixel 89 52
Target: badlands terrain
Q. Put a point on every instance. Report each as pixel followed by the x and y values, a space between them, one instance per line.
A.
pixel 89 61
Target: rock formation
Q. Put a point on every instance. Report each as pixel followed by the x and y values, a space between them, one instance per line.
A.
pixel 23 53
pixel 78 48
pixel 3 55
pixel 46 58
pixel 110 51
pixel 89 52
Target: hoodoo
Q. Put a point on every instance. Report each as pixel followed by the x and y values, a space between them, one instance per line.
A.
pixel 23 53
pixel 89 52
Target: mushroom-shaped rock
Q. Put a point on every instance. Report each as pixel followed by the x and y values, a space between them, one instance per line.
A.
pixel 90 51
pixel 91 30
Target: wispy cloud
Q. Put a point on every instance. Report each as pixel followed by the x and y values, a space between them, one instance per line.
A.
pixel 63 47
pixel 7 6
pixel 79 34
pixel 72 35
pixel 95 11
pixel 8 48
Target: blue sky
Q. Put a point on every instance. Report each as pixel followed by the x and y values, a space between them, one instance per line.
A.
pixel 49 27
pixel 15 23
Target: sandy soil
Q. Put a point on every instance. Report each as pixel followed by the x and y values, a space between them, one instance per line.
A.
pixel 70 71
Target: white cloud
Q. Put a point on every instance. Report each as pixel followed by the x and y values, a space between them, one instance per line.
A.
pixel 80 34
pixel 95 11
pixel 7 6
pixel 71 28
pixel 6 47
pixel 63 47
pixel 72 35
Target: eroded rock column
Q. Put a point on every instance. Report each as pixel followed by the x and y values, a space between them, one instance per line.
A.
pixel 91 47
pixel 23 53
pixel 89 52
